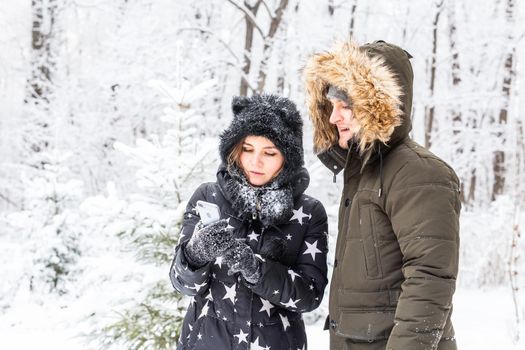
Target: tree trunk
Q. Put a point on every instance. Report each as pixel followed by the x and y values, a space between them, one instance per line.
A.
pixel 455 111
pixel 499 155
pixel 268 43
pixel 352 20
pixel 331 7
pixel 39 84
pixel 248 44
pixel 430 110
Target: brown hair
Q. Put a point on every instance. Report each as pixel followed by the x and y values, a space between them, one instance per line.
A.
pixel 235 154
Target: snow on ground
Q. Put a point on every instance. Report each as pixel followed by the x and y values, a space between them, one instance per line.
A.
pixel 484 319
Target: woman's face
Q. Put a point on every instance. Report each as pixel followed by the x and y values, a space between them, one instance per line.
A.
pixel 260 160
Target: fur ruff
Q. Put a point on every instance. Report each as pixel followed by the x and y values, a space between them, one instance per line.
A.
pixel 370 84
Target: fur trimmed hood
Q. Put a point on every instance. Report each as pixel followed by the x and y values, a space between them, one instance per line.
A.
pixel 378 79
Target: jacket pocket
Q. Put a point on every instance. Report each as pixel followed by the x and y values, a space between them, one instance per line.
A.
pixel 365 326
pixel 370 242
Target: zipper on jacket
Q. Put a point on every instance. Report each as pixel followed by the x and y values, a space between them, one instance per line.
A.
pixel 257 208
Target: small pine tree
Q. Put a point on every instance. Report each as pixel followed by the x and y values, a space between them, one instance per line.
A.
pixel 168 171
pixel 48 225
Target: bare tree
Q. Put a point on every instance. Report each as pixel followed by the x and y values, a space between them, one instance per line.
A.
pixel 455 110
pixel 331 7
pixel 39 84
pixel 250 12
pixel 352 19
pixel 277 18
pixel 430 110
pixel 519 202
pixel 498 161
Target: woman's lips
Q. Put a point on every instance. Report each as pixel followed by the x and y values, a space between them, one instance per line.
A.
pixel 256 173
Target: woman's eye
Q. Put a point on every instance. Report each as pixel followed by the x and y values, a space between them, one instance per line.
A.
pixel 246 149
pixel 271 154
pixel 347 107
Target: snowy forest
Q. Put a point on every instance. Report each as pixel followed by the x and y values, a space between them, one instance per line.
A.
pixel 110 113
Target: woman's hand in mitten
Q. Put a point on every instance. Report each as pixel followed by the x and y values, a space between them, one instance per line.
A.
pixel 240 258
pixel 209 242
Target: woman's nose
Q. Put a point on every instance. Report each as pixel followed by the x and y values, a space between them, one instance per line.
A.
pixel 256 159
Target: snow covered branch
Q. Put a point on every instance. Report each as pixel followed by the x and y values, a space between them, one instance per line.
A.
pixel 249 16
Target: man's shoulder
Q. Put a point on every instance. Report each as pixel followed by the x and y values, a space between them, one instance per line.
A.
pixel 417 164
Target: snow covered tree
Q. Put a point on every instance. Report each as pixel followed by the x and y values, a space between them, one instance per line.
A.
pixel 169 168
pixel 47 231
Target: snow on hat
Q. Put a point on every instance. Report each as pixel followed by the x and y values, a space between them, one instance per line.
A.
pixel 271 116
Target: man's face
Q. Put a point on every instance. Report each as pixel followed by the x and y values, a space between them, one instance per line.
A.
pixel 343 117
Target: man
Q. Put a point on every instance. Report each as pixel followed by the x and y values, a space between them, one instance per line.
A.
pixel 396 258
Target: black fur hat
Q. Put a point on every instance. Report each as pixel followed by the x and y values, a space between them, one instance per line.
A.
pixel 273 117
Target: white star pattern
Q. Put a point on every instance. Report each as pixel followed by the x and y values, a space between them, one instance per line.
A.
pixel 258 256
pixel 255 345
pixel 230 292
pixel 253 236
pixel 180 269
pixel 311 249
pixel 199 336
pixel 299 215
pixel 275 292
pixel 289 237
pixel 197 286
pixel 204 311
pixel 241 336
pixel 285 321
pixel 291 303
pixel 209 296
pixel 218 261
pixel 266 306
pixel 293 274
pixel 181 235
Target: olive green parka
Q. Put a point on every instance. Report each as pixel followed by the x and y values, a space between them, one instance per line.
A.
pixel 396 258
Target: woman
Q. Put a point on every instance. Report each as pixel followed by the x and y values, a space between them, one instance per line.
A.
pixel 255 271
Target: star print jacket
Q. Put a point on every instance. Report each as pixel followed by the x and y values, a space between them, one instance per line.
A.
pixel 226 312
